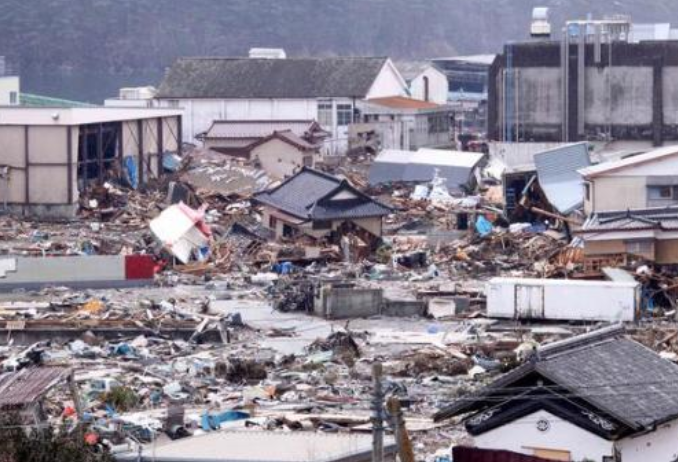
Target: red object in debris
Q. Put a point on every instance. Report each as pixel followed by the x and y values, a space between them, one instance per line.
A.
pixel 91 438
pixel 69 411
pixel 139 267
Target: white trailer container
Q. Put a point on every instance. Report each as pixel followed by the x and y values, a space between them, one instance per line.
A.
pixel 560 299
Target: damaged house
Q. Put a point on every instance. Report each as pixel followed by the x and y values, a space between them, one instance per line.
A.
pixel 550 185
pixel 599 396
pixel 633 208
pixel 50 157
pixel 320 205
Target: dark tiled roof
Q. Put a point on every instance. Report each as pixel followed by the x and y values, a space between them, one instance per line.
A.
pixel 618 376
pixel 665 218
pixel 307 195
pixel 270 78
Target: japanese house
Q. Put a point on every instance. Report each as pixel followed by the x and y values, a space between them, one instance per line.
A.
pixel 615 236
pixel 638 182
pixel 237 137
pixel 598 396
pixel 320 205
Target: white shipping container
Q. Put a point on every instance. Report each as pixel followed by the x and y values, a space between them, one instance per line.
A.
pixel 560 299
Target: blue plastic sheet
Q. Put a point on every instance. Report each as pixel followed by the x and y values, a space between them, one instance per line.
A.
pixel 483 226
pixel 131 172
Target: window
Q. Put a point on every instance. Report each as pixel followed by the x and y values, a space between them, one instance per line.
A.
pixel 272 222
pixel 308 161
pixel 426 89
pixel 587 191
pixel 662 193
pixel 642 248
pixel 344 114
pixel 13 98
pixel 288 231
pixel 173 103
pixel 322 224
pixel 325 113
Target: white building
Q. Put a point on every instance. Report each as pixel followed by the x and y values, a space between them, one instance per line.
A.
pixel 425 81
pixel 322 89
pixel 133 97
pixel 598 397
pixel 10 89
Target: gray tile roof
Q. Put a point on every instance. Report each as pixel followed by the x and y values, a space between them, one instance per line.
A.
pixel 270 78
pixel 559 178
pixel 615 375
pixel 664 218
pixel 305 195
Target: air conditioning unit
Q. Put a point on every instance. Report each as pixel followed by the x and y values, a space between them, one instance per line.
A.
pixel 541 25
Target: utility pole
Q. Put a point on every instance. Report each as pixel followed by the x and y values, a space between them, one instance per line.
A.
pixel 377 415
pixel 405 450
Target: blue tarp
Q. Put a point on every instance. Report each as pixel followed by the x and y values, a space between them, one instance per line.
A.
pixel 483 226
pixel 131 172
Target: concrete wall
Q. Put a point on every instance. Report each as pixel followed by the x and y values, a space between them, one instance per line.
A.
pixel 279 159
pixel 670 90
pixel 343 303
pixel 523 436
pixel 620 96
pixel 539 96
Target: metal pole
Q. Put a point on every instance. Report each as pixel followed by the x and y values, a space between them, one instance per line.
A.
pixel 377 415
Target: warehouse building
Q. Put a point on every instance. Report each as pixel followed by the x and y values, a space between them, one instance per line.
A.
pixel 49 157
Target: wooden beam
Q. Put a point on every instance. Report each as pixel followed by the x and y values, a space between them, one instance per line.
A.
pixel 161 144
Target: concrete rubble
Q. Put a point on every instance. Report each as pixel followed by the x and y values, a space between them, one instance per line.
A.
pixel 234 329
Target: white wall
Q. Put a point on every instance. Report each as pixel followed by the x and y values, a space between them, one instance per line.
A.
pixel 437 86
pixel 279 159
pixel 658 446
pixel 522 436
pixel 389 82
pixel 8 85
pixel 200 113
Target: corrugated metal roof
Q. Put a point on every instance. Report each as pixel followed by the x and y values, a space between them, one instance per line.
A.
pixel 28 385
pixel 263 446
pixel 557 171
pixel 420 166
pixel 629 162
